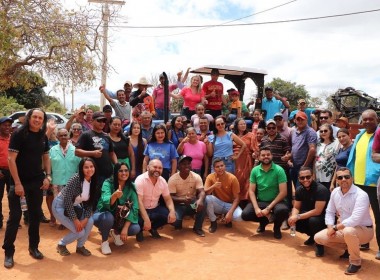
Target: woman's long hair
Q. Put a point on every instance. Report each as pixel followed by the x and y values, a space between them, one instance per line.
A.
pixel 24 129
pixel 115 177
pixel 331 137
pixel 236 129
pixel 157 127
pixel 94 178
pixel 215 130
pixel 120 133
pixel 140 144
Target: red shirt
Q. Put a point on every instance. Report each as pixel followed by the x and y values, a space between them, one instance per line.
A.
pixel 214 103
pixel 4 144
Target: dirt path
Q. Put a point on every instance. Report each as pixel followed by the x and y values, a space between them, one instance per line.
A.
pixel 227 254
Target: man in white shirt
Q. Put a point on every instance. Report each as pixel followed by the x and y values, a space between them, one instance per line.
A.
pixel 354 226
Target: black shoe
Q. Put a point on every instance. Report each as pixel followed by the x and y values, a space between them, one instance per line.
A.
pixel 36 254
pixel 140 236
pixel 228 225
pixel 309 242
pixel 364 247
pixel 352 269
pixel 199 232
pixel 8 261
pixel 345 255
pixel 277 233
pixel 319 250
pixel 155 234
pixel 261 227
pixel 44 220
pixel 213 227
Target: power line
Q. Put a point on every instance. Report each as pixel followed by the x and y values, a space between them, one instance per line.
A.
pixel 244 24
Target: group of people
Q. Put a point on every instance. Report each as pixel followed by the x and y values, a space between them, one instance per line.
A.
pixel 126 175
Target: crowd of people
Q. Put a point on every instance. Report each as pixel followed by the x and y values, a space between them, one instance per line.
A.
pixel 127 174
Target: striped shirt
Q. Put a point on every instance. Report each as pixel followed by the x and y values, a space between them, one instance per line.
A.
pixel 279 146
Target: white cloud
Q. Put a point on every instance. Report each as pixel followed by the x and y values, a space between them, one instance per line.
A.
pixel 322 54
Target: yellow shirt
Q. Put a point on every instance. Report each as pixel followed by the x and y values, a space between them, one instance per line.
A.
pixel 361 158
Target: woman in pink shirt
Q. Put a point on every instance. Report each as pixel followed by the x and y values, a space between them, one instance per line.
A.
pixel 196 149
pixel 191 96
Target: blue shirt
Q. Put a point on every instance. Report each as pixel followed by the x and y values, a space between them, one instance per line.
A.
pixel 342 157
pixel 272 107
pixel 165 152
pixel 300 145
pixel 222 145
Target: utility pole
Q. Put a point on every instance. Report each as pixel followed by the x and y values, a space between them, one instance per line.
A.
pixel 106 17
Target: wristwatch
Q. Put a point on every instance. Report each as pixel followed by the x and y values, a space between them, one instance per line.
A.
pixel 335 228
pixel 48 177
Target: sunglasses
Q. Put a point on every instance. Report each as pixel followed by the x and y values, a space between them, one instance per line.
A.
pixel 323 118
pixel 62 135
pixel 344 176
pixel 323 131
pixel 123 170
pixel 302 178
pixel 271 128
pixel 101 120
pixel 219 124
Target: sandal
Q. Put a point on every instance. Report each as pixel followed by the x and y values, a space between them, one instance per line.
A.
pixel 62 250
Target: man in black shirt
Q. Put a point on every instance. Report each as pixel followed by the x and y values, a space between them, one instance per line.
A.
pixel 97 145
pixel 308 213
pixel 28 152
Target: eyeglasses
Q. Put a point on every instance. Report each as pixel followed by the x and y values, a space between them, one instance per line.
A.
pixel 302 178
pixel 123 170
pixel 76 129
pixel 344 176
pixel 62 135
pixel 323 118
pixel 101 120
pixel 219 124
pixel 271 128
pixel 323 131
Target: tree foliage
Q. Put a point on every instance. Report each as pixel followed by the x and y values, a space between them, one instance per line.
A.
pixel 9 105
pixel 42 36
pixel 290 90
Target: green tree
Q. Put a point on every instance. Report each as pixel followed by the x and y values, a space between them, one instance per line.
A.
pixel 9 105
pixel 290 90
pixel 43 36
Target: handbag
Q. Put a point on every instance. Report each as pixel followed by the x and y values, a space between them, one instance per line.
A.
pixel 122 212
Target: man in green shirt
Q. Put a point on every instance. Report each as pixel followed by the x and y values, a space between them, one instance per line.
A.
pixel 267 191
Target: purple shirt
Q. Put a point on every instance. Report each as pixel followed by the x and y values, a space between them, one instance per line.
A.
pixel 300 144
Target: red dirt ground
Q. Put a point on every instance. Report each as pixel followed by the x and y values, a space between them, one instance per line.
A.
pixel 237 253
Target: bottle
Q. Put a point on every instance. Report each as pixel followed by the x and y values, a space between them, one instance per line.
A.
pixel 24 206
pixel 293 231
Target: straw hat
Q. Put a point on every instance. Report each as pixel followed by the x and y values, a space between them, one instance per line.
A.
pixel 143 82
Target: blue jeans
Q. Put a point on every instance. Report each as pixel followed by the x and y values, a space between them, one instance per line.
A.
pixel 185 209
pixel 217 206
pixel 104 222
pixel 82 236
pixel 158 217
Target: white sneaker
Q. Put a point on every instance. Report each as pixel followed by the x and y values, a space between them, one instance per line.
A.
pixel 116 238
pixel 106 250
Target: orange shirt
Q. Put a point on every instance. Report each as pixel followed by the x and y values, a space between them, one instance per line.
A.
pixel 230 186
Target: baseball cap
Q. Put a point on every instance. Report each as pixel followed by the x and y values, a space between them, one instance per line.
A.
pixel 5 119
pixel 184 157
pixel 301 101
pixel 128 82
pixel 98 115
pixel 278 115
pixel 271 121
pixel 301 115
